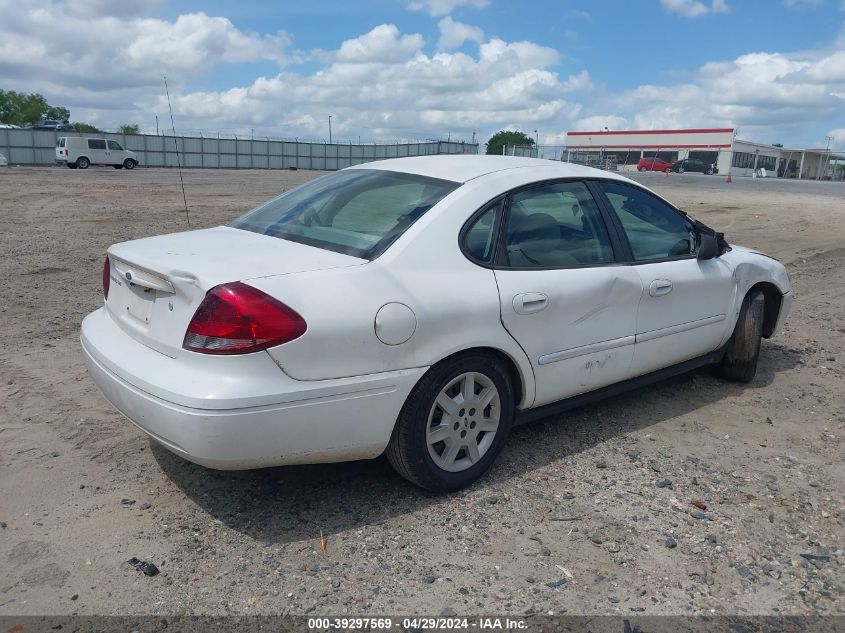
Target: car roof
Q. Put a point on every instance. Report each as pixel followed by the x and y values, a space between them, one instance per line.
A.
pixel 465 167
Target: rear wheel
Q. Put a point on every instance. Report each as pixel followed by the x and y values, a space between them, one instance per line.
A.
pixel 129 163
pixel 740 361
pixel 642 169
pixel 82 162
pixel 454 423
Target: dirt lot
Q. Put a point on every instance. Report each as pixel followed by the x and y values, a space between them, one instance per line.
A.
pixel 575 516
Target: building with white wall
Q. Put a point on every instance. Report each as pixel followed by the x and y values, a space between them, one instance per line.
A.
pixel 712 145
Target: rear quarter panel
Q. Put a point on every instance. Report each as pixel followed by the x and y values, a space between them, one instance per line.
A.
pixel 455 302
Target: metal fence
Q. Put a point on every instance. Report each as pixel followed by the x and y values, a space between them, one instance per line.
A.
pixel 37 147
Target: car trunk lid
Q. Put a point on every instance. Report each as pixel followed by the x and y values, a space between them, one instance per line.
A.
pixel 157 283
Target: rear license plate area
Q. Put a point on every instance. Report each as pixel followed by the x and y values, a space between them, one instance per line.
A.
pixel 138 302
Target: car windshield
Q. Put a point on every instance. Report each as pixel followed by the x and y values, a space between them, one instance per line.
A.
pixel 358 212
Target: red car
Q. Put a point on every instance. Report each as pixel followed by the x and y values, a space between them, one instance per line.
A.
pixel 652 164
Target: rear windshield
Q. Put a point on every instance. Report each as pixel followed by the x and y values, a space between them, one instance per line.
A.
pixel 358 212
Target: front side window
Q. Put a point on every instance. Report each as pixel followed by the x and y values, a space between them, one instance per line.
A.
pixel 359 212
pixel 655 230
pixel 115 145
pixel 96 143
pixel 556 225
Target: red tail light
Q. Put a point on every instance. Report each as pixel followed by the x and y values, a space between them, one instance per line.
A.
pixel 238 319
pixel 106 277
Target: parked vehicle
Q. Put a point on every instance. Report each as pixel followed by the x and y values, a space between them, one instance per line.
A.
pixel 419 307
pixel 82 151
pixel 50 124
pixel 693 164
pixel 652 164
pixel 9 126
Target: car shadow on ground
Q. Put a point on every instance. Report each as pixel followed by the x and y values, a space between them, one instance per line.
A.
pixel 293 503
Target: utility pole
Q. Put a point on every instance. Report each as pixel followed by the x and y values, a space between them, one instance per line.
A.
pixel 330 129
pixel 827 150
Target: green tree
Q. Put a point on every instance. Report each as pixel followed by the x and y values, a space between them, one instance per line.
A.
pixel 505 138
pixel 19 108
pixel 57 113
pixel 129 128
pixel 84 127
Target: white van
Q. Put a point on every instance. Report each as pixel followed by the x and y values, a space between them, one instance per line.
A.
pixel 82 151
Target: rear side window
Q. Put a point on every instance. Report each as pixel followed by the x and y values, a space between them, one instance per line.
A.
pixel 359 212
pixel 96 143
pixel 480 238
pixel 556 225
pixel 654 229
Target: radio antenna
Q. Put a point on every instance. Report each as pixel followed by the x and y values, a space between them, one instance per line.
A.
pixel 178 160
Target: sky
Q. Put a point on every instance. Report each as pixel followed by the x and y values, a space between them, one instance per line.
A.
pixel 387 70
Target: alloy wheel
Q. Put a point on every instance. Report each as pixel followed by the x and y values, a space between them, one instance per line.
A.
pixel 463 422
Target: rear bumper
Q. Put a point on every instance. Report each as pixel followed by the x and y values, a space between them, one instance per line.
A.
pixel 299 422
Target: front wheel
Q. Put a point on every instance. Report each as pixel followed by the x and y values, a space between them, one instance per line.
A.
pixel 740 361
pixel 454 423
pixel 129 163
pixel 680 170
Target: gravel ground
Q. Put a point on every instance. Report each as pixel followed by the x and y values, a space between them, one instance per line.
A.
pixel 588 512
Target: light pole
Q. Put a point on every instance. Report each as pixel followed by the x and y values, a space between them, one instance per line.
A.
pixel 330 129
pixel 537 143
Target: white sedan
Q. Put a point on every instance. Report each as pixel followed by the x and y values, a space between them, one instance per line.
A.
pixel 419 307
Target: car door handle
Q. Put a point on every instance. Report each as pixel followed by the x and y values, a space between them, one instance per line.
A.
pixel 529 302
pixel 660 287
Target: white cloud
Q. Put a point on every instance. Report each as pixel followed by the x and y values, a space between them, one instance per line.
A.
pixel 599 122
pixel 764 94
pixel 437 8
pixel 838 138
pixel 53 49
pixel 385 84
pixel 694 8
pixel 453 34
pixel 384 44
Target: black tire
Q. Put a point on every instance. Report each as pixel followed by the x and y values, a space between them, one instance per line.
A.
pixel 82 162
pixel 743 351
pixel 71 165
pixel 680 170
pixel 129 163
pixel 408 451
pixel 642 169
pixel 710 172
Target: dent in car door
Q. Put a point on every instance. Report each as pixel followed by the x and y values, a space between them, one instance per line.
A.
pixel 562 297
pixel 685 302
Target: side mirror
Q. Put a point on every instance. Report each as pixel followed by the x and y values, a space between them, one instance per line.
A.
pixel 708 248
